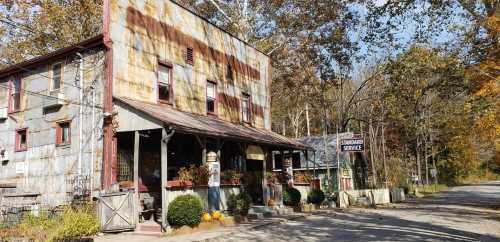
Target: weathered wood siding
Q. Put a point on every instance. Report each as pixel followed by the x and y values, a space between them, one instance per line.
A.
pixel 45 168
pixel 145 32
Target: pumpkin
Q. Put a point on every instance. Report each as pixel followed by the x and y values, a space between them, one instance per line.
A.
pixel 206 217
pixel 216 215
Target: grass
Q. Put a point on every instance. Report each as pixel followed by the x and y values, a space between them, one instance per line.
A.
pixel 425 190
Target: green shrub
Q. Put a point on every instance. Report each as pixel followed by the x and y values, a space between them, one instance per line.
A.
pixel 291 196
pixel 316 196
pixel 185 210
pixel 238 204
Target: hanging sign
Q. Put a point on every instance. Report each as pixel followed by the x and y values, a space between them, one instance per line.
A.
pixel 352 145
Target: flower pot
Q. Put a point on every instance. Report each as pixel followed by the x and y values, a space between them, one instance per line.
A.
pixel 178 184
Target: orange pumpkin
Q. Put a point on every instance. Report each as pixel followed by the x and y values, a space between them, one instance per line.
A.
pixel 206 217
pixel 216 215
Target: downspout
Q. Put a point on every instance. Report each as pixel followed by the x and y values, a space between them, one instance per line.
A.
pixel 80 115
pixel 92 142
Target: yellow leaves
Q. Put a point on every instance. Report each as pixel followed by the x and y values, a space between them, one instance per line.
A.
pixel 489 89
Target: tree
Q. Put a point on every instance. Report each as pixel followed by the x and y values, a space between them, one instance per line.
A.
pixel 33 28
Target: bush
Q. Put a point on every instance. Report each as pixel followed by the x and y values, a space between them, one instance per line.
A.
pixel 73 223
pixel 238 204
pixel 316 196
pixel 291 196
pixel 185 210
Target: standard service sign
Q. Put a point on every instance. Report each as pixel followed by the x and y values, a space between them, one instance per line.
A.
pixel 352 144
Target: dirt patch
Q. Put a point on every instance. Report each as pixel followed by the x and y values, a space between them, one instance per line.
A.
pixel 204 226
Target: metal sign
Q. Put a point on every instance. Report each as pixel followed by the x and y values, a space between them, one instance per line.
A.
pixel 352 145
pixel 433 172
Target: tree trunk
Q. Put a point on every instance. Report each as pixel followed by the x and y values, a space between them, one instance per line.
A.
pixel 372 157
pixel 307 120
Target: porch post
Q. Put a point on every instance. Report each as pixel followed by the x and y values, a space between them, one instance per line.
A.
pixel 164 162
pixel 136 175
pixel 264 177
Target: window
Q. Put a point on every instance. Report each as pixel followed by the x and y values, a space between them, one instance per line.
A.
pixel 56 76
pixel 211 97
pixel 22 139
pixel 246 107
pixel 190 56
pixel 229 72
pixel 15 94
pixel 164 83
pixel 63 133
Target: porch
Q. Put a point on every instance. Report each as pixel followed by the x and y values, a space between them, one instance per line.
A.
pixel 162 153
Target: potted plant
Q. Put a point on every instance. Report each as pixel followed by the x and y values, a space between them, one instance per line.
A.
pixel 301 177
pixel 184 179
pixel 231 177
pixel 200 175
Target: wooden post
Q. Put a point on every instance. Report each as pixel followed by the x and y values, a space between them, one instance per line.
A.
pixel 136 175
pixel 203 144
pixel 164 162
pixel 264 178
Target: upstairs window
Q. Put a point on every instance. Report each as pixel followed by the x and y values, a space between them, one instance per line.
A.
pixel 190 56
pixel 15 94
pixel 56 76
pixel 63 133
pixel 211 97
pixel 246 108
pixel 229 72
pixel 164 83
pixel 21 139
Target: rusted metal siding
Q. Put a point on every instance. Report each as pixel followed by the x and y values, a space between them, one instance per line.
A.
pixel 45 168
pixel 145 32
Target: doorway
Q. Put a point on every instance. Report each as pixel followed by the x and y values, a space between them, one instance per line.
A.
pixel 254 180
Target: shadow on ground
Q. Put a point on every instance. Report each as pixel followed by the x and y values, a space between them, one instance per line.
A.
pixel 358 226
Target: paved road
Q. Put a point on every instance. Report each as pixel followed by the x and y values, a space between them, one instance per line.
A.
pixel 467 213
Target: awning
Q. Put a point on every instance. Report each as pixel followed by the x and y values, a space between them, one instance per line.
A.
pixel 205 125
pixel 254 152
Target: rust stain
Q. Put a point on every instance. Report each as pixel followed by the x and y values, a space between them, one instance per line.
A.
pixel 159 28
pixel 234 103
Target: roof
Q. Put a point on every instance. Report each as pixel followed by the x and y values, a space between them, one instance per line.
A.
pixel 19 67
pixel 205 125
pixel 317 143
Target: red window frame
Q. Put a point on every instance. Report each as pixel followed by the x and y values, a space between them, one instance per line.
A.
pixel 59 132
pixel 247 96
pixel 171 82
pixel 214 98
pixel 190 56
pixel 11 105
pixel 18 147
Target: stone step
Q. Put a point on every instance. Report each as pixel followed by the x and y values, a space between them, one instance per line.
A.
pixel 254 215
pixel 149 227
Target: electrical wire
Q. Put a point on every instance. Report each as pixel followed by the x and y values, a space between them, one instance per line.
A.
pixel 47 77
pixel 23 91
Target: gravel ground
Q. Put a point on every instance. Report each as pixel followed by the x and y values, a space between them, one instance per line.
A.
pixel 466 213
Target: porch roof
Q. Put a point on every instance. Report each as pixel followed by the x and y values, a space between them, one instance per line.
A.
pixel 210 126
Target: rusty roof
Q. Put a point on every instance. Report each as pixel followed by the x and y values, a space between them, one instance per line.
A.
pixel 205 125
pixel 59 53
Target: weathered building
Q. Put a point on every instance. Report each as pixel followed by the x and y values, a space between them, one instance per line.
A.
pixel 49 136
pixel 162 90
